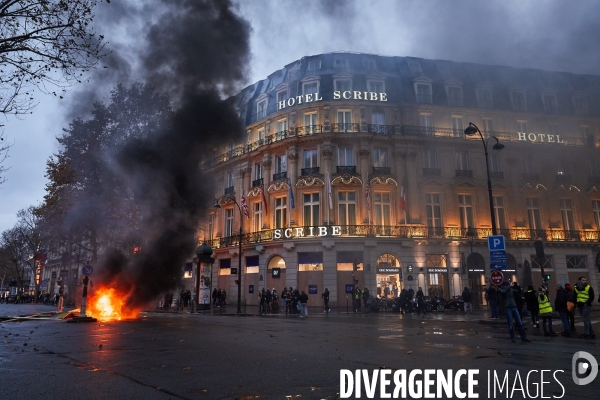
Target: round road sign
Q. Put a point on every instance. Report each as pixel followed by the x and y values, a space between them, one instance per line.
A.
pixel 496 278
pixel 87 270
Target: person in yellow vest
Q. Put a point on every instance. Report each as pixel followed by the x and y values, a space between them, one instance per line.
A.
pixel 545 310
pixel 585 296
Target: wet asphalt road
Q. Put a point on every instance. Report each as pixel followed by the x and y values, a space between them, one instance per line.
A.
pixel 183 356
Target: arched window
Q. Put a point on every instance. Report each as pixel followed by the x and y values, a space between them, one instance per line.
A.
pixel 476 262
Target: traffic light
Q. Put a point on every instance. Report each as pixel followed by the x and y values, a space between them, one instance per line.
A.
pixel 547 277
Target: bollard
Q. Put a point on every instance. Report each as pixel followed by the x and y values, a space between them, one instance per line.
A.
pixel 82 312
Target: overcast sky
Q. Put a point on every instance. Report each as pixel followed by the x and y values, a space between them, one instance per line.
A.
pixel 550 35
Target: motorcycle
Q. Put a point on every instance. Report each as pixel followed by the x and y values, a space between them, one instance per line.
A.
pixel 455 304
pixel 436 304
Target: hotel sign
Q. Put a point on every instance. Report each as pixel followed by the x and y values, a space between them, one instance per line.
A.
pixel 307 231
pixel 337 95
pixel 539 138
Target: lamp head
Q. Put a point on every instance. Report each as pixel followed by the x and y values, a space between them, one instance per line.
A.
pixel 217 205
pixel 471 130
pixel 498 145
pixel 470 233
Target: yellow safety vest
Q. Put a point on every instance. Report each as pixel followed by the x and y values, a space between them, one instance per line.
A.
pixel 584 295
pixel 544 302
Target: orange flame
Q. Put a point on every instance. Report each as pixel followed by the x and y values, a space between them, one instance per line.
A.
pixel 107 304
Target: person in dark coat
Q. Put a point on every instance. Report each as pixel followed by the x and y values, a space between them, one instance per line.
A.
pixel 214 296
pixel 467 299
pixel 325 296
pixel 492 299
pixel 571 314
pixel 519 296
pixel 421 300
pixel 532 305
pixel 560 305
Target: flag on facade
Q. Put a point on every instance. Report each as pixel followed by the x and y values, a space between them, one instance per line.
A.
pixel 244 205
pixel 403 196
pixel 292 204
pixel 264 199
pixel 329 191
pixel 368 195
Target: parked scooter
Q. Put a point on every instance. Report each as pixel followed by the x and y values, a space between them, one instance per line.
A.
pixel 455 304
pixel 436 304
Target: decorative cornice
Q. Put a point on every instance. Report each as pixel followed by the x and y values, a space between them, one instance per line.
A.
pixel 383 181
pixel 533 186
pixel 310 181
pixel 571 188
pixel 278 185
pixel 346 179
pixel 255 191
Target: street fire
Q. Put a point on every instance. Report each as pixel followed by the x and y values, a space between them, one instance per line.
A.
pixel 106 304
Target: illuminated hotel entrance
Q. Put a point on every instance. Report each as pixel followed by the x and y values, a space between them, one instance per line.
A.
pixel 438 284
pixel 389 275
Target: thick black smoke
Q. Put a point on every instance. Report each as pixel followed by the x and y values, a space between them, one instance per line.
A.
pixel 197 51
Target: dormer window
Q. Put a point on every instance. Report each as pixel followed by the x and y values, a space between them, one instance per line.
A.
pixel 310 87
pixel 340 64
pixel 370 65
pixel 581 105
pixel 282 96
pixel 517 99
pixel 313 67
pixel 550 103
pixel 484 97
pixel 455 97
pixel 261 109
pixel 423 92
pixel 343 85
pixel 376 86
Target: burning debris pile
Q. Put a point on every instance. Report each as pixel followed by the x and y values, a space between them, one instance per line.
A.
pixel 130 176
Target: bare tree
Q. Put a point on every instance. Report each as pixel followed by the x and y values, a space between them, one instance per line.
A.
pixel 46 45
pixel 4 146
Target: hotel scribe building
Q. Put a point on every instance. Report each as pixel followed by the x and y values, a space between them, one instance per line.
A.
pixel 356 170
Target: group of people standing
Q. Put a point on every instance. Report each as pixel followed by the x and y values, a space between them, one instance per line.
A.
pixel 536 304
pixel 219 297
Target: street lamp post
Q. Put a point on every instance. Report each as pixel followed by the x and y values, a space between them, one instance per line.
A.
pixel 239 273
pixel 471 130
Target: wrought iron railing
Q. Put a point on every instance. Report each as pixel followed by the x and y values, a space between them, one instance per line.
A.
pixel 345 127
pixel 411 232
pixel 563 178
pixel 280 176
pixel 309 130
pixel 309 171
pixel 432 171
pixel 346 169
pixel 381 129
pixel 409 130
pixel 464 172
pixel 378 171
pixel 257 182
pixel 229 190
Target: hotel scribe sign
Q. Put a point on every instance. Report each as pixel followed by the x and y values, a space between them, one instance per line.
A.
pixel 337 95
pixel 308 231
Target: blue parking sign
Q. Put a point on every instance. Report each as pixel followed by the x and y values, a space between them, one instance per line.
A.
pixel 496 242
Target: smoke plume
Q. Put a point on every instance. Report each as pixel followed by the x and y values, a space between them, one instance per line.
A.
pixel 198 51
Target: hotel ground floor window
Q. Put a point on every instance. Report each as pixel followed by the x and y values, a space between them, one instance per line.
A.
pixel 389 276
pixel 224 274
pixel 350 271
pixel 276 275
pixel 437 279
pixel 310 276
pixel 250 278
pixel 476 273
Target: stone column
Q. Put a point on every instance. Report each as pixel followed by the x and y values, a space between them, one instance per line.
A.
pixel 411 188
pixel 365 174
pixel 326 165
pixel 400 173
pixel 292 156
